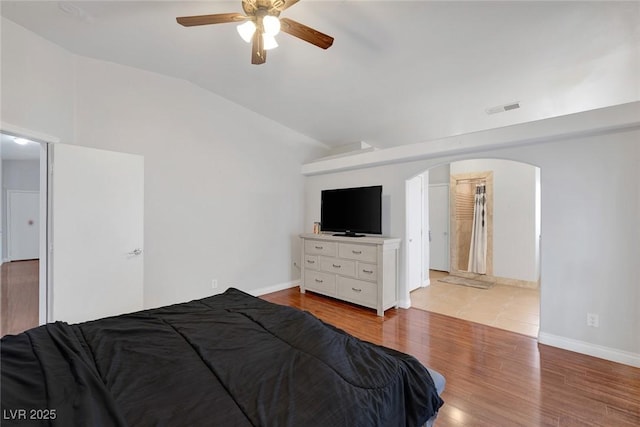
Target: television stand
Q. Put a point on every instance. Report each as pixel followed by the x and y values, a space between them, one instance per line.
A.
pixel 362 271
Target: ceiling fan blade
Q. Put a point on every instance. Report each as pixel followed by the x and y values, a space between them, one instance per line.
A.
pixel 258 54
pixel 218 18
pixel 305 33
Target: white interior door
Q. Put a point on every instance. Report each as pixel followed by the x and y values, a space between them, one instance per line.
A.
pixel 23 223
pixel 96 233
pixel 414 232
pixel 439 227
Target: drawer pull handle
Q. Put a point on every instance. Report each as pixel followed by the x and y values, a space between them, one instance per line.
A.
pixel 356 290
pixel 368 271
pixel 311 262
pixel 319 281
pixel 357 252
pixel 336 266
pixel 319 247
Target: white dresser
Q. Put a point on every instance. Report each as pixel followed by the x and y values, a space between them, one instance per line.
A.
pixel 361 270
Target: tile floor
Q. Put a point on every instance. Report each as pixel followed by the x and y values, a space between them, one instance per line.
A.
pixel 505 307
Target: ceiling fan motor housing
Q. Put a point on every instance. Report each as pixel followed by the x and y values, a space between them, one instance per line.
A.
pixel 256 9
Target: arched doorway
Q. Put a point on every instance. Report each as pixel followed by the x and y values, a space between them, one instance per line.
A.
pixel 506 295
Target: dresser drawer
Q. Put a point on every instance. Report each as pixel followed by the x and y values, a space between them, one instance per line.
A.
pixel 357 291
pixel 322 282
pixel 367 271
pixel 367 253
pixel 339 266
pixel 319 247
pixel 311 262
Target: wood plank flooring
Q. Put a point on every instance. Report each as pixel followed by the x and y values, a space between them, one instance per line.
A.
pixel 494 377
pixel 19 296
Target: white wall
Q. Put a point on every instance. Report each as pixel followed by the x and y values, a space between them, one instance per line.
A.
pixel 590 222
pixel 21 175
pixel 439 174
pixel 514 219
pixel 589 254
pixel 37 82
pixel 223 190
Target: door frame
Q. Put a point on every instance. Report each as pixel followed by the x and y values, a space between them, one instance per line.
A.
pixel 44 140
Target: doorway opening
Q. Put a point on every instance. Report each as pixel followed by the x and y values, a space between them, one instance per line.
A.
pixel 509 297
pixel 21 231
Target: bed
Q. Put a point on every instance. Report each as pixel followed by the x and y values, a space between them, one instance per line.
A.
pixel 227 360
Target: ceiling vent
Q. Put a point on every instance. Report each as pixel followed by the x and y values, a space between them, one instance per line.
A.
pixel 503 108
pixel 75 11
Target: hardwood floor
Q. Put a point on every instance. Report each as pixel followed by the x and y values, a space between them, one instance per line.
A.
pixel 494 377
pixel 19 295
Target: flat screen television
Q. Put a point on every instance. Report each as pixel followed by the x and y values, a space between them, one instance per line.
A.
pixel 349 211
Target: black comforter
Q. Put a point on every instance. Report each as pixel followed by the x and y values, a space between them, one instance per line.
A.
pixel 228 360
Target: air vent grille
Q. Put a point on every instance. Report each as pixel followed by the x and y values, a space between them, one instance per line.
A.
pixel 503 108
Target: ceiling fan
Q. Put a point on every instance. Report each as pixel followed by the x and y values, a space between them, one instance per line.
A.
pixel 261 24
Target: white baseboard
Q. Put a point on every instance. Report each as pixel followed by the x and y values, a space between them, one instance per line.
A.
pixel 404 303
pixel 602 352
pixel 426 283
pixel 274 288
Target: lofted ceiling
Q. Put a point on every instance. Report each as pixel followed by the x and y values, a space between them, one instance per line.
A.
pixel 399 72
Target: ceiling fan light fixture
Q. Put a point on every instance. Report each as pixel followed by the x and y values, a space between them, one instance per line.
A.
pixel 271 25
pixel 269 42
pixel 246 31
pixel 259 24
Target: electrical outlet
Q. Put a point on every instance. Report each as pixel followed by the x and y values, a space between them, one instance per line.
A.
pixel 593 320
pixel 214 283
